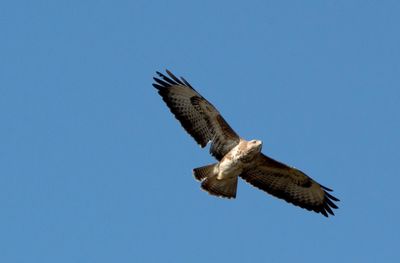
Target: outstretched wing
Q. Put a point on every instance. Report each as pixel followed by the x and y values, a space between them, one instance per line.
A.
pixel 198 116
pixel 290 184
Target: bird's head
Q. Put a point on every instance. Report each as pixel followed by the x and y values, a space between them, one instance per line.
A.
pixel 255 145
pixel 250 149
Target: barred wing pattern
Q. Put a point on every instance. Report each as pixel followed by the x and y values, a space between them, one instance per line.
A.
pixel 197 116
pixel 205 124
pixel 290 184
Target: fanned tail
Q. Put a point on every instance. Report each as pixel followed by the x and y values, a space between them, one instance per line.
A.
pixel 208 175
pixel 201 173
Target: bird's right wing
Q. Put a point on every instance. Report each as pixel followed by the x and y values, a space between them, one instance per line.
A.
pixel 197 116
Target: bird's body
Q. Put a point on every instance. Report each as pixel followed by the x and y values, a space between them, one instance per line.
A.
pixel 236 156
pixel 237 159
pixel 221 179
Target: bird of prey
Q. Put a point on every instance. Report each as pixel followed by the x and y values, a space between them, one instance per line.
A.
pixel 237 157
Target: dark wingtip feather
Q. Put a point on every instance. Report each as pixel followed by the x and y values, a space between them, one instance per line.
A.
pixel 331 204
pixel 328 204
pixel 186 83
pixel 326 188
pixel 161 82
pixel 323 212
pixel 328 209
pixel 332 197
pixel 159 87
pixel 173 77
pixel 171 80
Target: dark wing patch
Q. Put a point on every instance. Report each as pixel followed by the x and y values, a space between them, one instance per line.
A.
pixel 197 116
pixel 224 138
pixel 291 185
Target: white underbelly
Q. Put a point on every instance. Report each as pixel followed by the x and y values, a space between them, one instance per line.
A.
pixel 229 168
pixel 235 161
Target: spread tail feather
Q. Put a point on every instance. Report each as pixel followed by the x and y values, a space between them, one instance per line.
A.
pixel 202 172
pixel 209 182
pixel 220 187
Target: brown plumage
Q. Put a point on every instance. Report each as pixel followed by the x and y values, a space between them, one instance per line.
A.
pixel 236 156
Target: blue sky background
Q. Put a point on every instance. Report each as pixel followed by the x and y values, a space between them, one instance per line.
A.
pixel 94 168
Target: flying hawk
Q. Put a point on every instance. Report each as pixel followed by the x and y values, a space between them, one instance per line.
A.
pixel 236 156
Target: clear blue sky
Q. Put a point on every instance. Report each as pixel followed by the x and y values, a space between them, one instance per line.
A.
pixel 94 168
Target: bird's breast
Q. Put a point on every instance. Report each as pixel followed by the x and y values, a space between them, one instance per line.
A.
pixel 230 165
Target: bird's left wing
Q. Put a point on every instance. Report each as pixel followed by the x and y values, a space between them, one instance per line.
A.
pixel 290 184
pixel 197 116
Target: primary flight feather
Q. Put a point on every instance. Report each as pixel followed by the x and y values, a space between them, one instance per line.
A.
pixel 236 156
